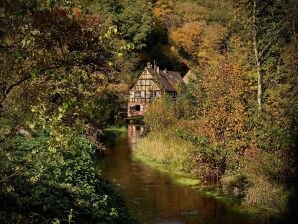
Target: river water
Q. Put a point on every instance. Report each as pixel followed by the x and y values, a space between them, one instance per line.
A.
pixel 152 196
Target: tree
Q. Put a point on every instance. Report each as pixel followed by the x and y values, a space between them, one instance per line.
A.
pixel 56 69
pixel 266 25
pixel 135 22
pixel 191 12
pixel 199 42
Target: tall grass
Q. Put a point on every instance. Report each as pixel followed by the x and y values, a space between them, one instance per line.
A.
pixel 264 194
pixel 165 148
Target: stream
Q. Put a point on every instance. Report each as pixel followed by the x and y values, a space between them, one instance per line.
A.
pixel 152 196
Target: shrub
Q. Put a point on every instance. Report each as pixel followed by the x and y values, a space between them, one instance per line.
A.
pixel 39 185
pixel 235 184
pixel 266 194
pixel 160 114
pixel 209 159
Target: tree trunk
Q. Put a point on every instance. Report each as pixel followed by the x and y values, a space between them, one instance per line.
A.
pixel 258 63
pixel 294 32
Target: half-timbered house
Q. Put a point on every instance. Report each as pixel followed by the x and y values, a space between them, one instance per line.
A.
pixel 152 83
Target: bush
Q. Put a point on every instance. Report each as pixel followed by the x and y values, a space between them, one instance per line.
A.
pixel 39 185
pixel 235 184
pixel 160 114
pixel 209 158
pixel 265 194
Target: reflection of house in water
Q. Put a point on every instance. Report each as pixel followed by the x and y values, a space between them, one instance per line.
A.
pixel 134 133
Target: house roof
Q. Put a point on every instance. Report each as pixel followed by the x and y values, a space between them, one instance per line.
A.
pixel 168 79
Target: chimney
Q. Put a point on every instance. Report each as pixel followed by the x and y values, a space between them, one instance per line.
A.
pixel 157 69
pixel 165 71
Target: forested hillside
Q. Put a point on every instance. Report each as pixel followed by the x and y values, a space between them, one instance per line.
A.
pixel 239 106
pixel 65 69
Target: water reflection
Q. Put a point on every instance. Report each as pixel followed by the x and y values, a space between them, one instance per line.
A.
pixel 134 133
pixel 152 197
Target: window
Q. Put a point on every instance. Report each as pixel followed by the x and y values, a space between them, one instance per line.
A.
pixel 144 82
pixel 137 108
pixel 137 94
pixel 152 94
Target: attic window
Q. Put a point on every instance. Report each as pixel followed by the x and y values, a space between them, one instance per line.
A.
pixel 145 82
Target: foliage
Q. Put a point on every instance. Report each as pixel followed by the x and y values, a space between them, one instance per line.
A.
pixel 161 114
pixel 265 194
pixel 251 154
pixel 39 184
pixel 58 70
pixel 63 64
pixel 136 21
pixel 191 12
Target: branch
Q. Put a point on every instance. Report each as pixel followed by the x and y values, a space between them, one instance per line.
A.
pixel 15 84
pixel 268 45
pixel 10 176
pixel 27 77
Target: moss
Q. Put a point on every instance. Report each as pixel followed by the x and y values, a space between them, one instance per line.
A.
pixel 183 178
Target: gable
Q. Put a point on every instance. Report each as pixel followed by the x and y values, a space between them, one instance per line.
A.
pixel 145 82
pixel 156 80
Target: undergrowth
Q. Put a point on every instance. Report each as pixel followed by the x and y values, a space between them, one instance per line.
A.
pixel 43 186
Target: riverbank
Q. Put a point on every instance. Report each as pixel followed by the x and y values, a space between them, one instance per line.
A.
pixel 153 196
pixel 186 179
pixel 162 152
pixel 206 189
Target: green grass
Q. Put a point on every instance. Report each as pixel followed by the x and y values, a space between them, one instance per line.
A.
pixel 172 156
pixel 206 190
pixel 188 181
pixel 117 129
pixel 162 152
pixel 182 177
pixel 165 148
pixel 178 176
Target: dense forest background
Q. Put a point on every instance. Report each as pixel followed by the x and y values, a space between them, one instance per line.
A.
pixel 65 69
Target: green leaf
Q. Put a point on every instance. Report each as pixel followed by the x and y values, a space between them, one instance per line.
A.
pixel 34 72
